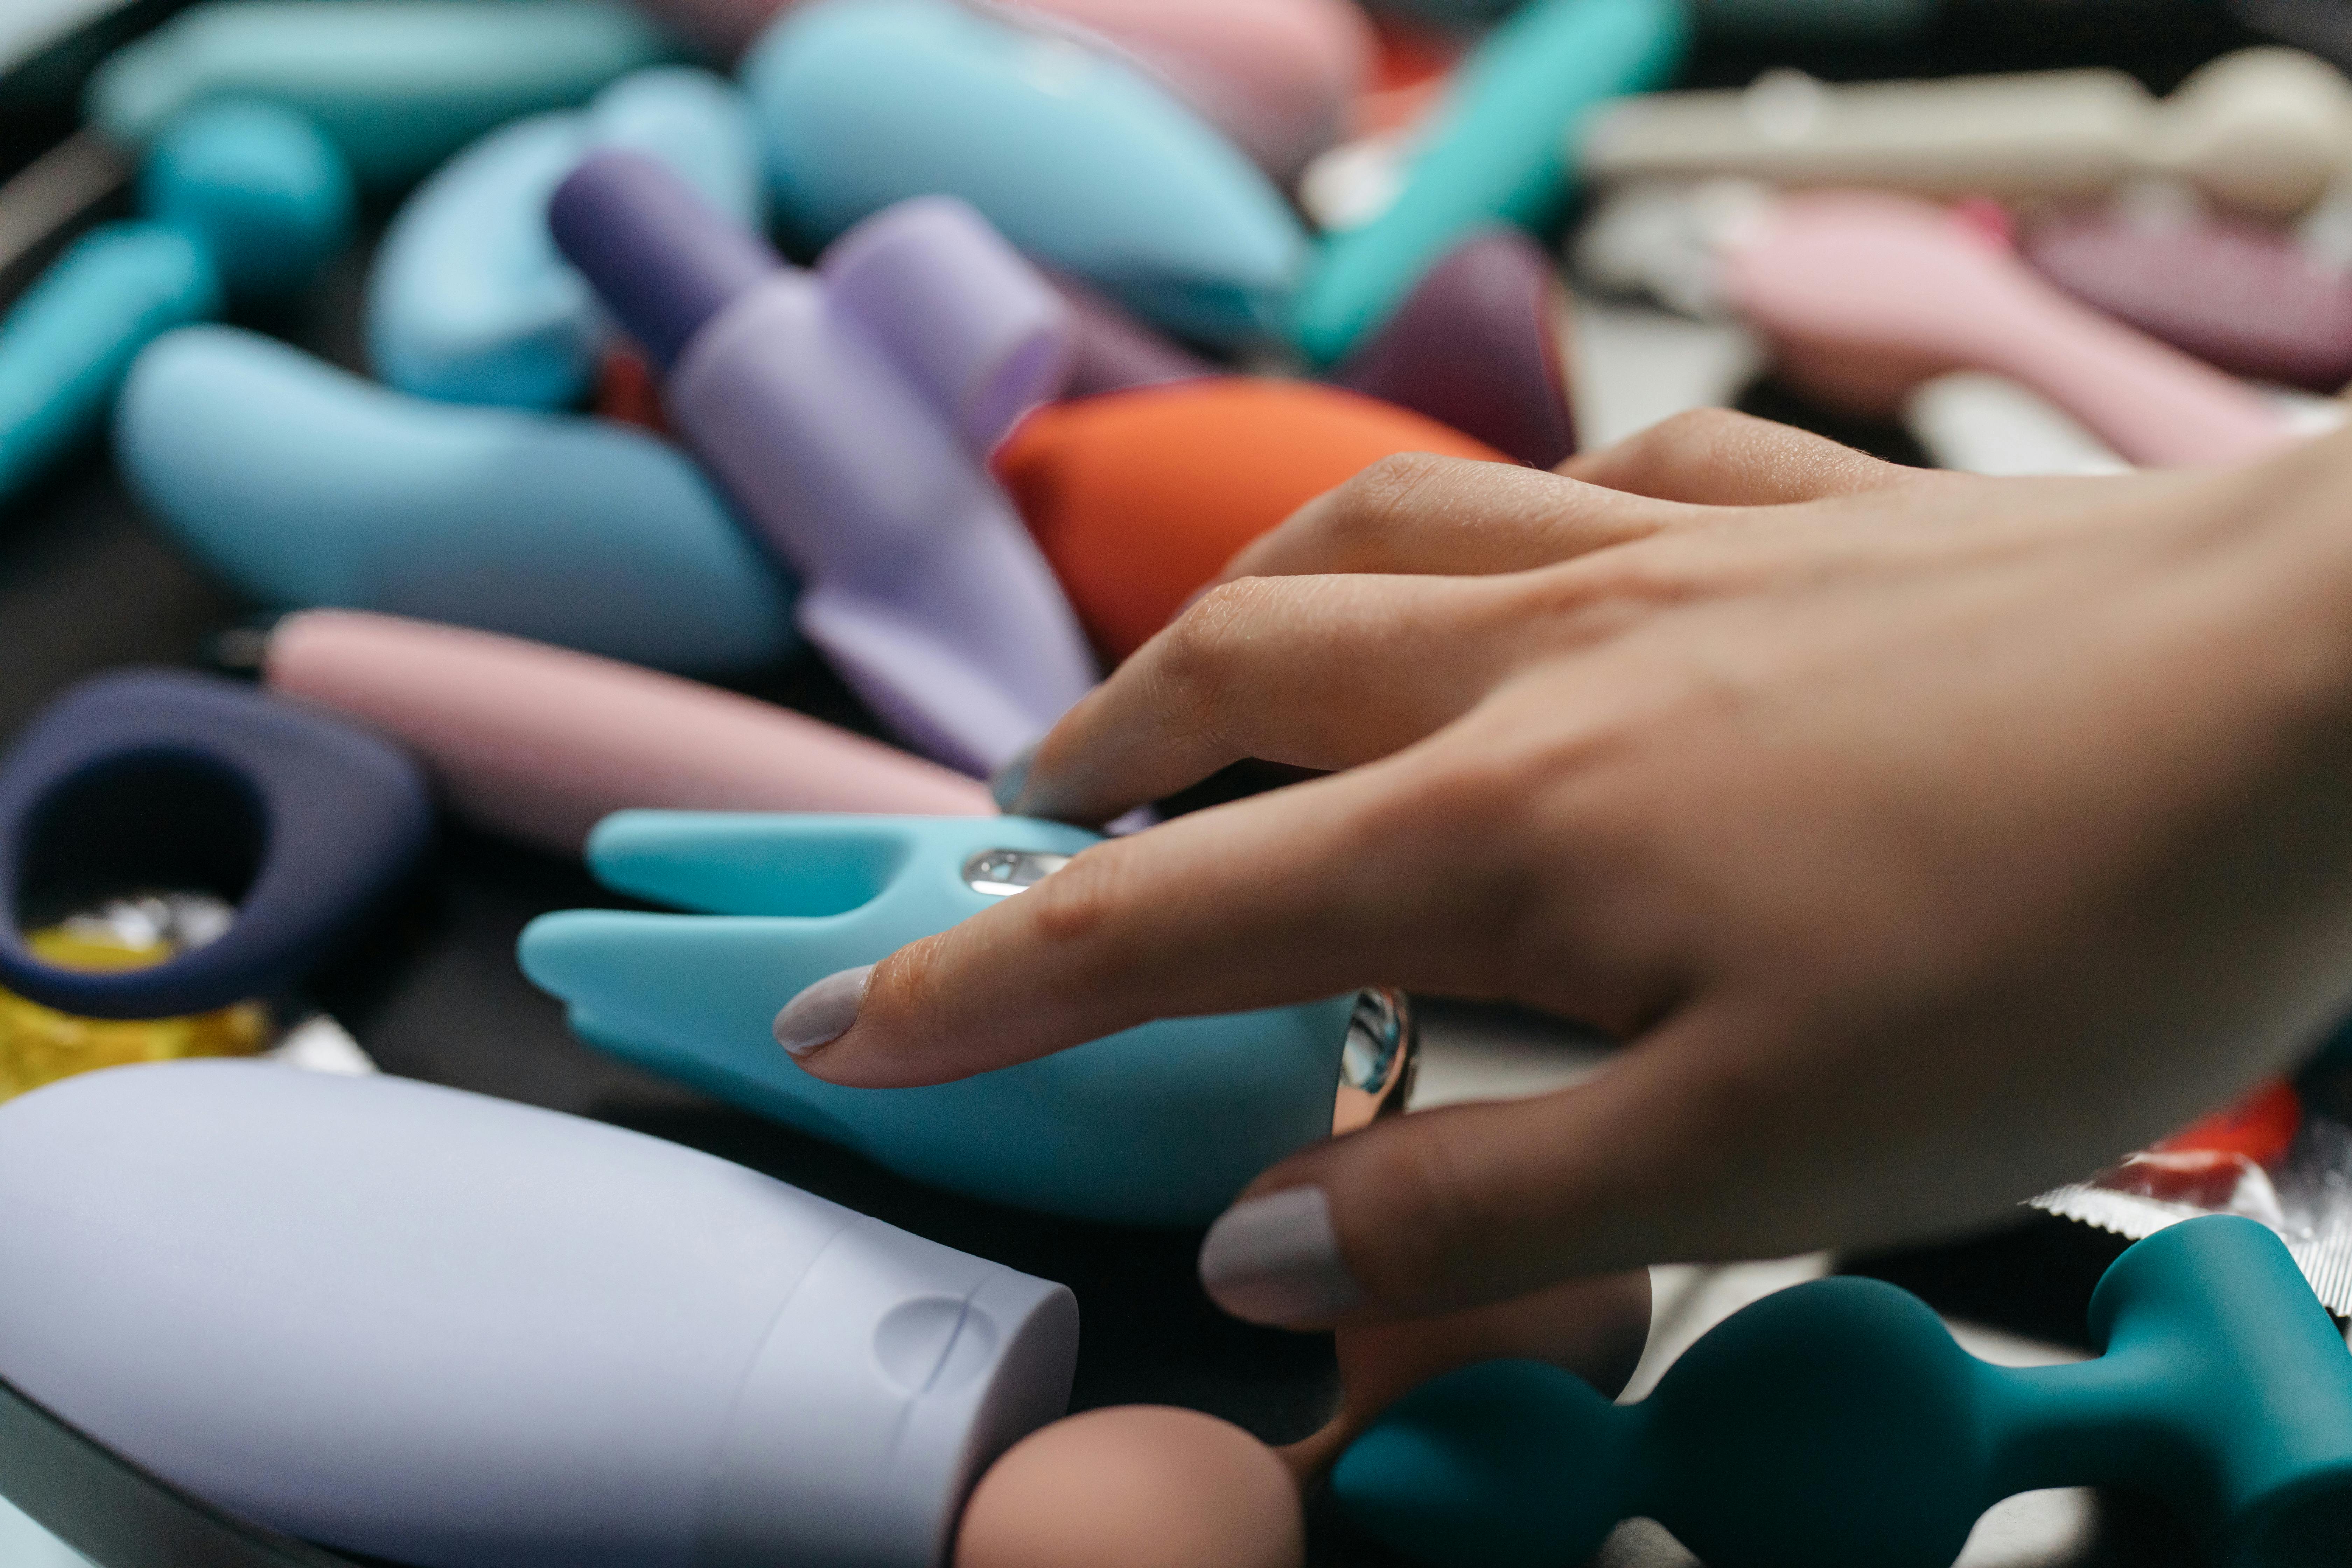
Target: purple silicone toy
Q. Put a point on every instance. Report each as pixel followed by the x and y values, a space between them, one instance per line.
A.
pixel 850 411
pixel 1476 346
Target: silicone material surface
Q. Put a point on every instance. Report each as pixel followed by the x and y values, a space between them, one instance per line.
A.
pixel 398 85
pixel 459 1333
pixel 1133 519
pixel 1841 279
pixel 1080 160
pixel 66 345
pixel 1277 76
pixel 1109 1131
pixel 162 781
pixel 470 302
pixel 2264 128
pixel 302 486
pixel 540 742
pixel 1837 1422
pixel 1476 345
pixel 1495 151
pixel 2241 296
pixel 847 411
pixel 258 186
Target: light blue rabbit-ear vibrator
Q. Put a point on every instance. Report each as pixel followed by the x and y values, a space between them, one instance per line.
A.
pixel 1161 1125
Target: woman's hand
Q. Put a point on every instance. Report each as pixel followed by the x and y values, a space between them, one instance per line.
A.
pixel 1931 840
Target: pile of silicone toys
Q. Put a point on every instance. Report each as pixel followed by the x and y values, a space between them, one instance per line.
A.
pixel 946 349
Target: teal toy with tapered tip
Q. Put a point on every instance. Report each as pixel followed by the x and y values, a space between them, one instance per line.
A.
pixel 1161 1125
pixel 1838 1423
pixel 1499 149
pixel 396 85
pixel 244 203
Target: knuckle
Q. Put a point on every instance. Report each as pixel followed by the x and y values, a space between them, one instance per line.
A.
pixel 1380 500
pixel 1195 673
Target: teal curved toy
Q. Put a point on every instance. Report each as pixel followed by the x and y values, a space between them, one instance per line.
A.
pixel 397 85
pixel 259 186
pixel 242 199
pixel 65 346
pixel 1156 1125
pixel 1838 1423
pixel 303 485
pixel 1498 150
pixel 469 300
pixel 1073 155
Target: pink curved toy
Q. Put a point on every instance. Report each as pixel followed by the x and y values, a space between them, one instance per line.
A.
pixel 1278 76
pixel 1858 286
pixel 540 742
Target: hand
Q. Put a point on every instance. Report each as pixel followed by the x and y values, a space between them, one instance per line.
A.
pixel 1931 839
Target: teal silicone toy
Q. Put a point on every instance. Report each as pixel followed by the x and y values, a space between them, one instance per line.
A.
pixel 1837 1423
pixel 469 300
pixel 65 346
pixel 1496 149
pixel 397 85
pixel 1156 1125
pixel 243 200
pixel 1075 156
pixel 303 485
pixel 259 186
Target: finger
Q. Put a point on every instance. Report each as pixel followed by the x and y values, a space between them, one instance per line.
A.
pixel 1309 892
pixel 1311 672
pixel 1685 1149
pixel 1448 516
pixel 1716 456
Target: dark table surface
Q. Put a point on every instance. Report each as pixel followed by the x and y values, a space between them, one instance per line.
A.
pixel 86 585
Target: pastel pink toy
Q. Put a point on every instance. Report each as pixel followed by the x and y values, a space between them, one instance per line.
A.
pixel 1279 77
pixel 540 742
pixel 1866 293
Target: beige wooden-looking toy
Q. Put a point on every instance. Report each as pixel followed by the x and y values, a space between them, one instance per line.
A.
pixel 2265 130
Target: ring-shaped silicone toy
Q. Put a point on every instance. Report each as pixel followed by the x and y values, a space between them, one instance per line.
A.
pixel 167 780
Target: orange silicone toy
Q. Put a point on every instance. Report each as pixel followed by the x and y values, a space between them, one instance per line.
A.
pixel 1140 497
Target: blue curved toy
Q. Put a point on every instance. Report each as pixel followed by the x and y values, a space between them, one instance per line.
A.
pixel 397 85
pixel 1158 1125
pixel 1837 1423
pixel 67 344
pixel 162 780
pixel 259 186
pixel 470 301
pixel 1499 149
pixel 1073 155
pixel 303 485
pixel 243 199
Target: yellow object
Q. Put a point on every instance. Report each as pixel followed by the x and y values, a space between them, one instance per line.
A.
pixel 41 1045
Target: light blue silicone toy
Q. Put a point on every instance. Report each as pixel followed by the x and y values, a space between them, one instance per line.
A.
pixel 1838 1423
pixel 470 303
pixel 1498 148
pixel 244 200
pixel 1160 1124
pixel 397 85
pixel 1073 155
pixel 304 486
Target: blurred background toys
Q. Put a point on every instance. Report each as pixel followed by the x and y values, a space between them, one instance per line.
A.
pixel 469 374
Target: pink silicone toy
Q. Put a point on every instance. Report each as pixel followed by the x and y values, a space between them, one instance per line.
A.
pixel 1856 287
pixel 542 742
pixel 1278 76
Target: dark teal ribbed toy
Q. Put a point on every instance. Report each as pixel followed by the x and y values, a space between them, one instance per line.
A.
pixel 1838 1423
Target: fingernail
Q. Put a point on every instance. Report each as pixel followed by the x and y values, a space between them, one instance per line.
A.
pixel 823 1013
pixel 1276 1260
pixel 1011 780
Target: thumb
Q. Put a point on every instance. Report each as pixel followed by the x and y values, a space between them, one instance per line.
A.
pixel 1471 1204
